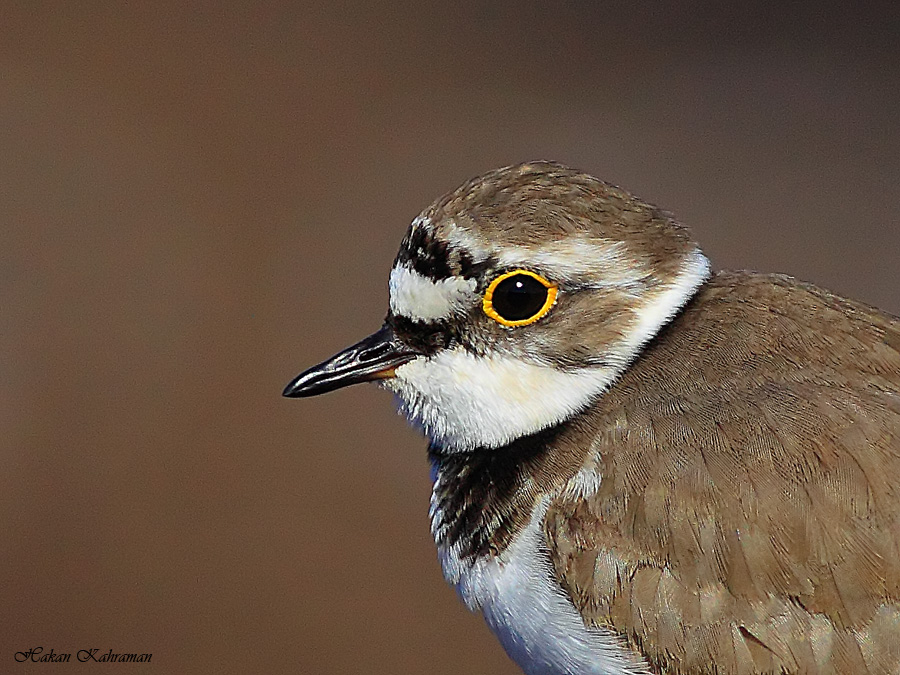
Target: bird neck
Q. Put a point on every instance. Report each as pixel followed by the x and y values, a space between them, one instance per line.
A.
pixel 483 498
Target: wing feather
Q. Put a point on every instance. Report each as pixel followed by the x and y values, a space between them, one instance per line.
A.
pixel 748 515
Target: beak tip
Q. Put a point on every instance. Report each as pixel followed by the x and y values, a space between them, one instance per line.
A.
pixel 372 358
pixel 295 389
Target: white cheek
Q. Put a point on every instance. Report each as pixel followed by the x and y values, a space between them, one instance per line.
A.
pixel 463 401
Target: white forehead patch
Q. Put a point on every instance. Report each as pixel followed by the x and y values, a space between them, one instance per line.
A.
pixel 422 299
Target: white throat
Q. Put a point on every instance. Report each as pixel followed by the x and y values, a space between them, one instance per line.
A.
pixel 463 401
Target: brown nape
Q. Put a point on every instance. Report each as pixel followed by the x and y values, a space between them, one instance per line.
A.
pixel 748 516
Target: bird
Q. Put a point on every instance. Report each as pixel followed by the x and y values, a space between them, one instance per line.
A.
pixel 639 464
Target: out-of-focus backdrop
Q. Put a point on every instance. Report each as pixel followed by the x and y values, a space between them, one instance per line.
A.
pixel 199 200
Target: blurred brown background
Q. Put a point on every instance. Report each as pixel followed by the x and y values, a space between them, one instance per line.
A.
pixel 199 200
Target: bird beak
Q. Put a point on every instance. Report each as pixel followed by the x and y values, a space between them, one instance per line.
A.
pixel 373 358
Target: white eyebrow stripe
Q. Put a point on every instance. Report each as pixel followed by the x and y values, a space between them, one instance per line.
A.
pixel 422 299
pixel 592 263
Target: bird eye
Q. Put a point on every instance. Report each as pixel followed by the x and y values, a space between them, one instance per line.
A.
pixel 518 298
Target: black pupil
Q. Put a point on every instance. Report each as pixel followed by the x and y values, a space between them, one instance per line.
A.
pixel 519 297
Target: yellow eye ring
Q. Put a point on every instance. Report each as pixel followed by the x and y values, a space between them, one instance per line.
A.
pixel 518 298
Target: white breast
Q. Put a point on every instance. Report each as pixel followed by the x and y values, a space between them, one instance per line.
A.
pixel 531 615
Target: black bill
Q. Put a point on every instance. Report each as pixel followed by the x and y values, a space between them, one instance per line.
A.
pixel 373 358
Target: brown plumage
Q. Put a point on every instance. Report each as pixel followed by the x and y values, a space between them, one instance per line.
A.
pixel 748 516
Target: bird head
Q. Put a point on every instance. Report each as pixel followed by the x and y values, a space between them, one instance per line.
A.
pixel 515 301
